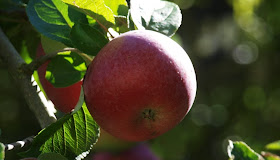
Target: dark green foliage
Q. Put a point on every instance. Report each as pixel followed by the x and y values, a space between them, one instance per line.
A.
pixel 53 19
pixel 88 39
pixel 51 156
pixel 70 136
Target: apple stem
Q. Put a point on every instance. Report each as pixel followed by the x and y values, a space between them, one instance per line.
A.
pixel 86 58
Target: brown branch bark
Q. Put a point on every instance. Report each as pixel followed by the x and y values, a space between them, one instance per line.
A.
pixel 14 62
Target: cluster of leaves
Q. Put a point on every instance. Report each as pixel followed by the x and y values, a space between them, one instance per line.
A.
pixel 86 26
pixel 241 151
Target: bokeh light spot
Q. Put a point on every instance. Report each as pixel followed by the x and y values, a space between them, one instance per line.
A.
pixel 201 114
pixel 245 53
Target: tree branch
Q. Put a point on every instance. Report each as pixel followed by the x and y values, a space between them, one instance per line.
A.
pixel 19 144
pixel 35 64
pixel 14 62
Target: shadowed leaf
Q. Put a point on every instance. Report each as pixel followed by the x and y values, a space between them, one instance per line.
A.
pixel 161 16
pixel 88 39
pixel 53 18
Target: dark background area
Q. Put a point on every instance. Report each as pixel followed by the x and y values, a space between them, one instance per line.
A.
pixel 234 46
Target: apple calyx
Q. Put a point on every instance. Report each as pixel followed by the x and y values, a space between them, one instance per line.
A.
pixel 149 114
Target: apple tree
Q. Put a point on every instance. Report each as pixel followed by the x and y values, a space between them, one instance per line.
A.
pixel 57 41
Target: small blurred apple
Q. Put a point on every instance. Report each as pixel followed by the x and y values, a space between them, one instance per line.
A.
pixel 109 143
pixel 138 152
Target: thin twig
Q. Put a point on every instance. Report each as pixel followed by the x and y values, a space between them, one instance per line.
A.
pixel 14 62
pixel 86 58
pixel 19 144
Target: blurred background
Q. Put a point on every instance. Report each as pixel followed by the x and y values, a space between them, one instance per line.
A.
pixel 235 48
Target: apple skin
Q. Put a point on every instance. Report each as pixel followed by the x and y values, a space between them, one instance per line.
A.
pixel 139 152
pixel 140 85
pixel 64 99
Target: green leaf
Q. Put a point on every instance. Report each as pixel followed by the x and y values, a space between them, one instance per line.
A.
pixel 53 18
pixel 161 16
pixel 241 151
pixel 71 136
pixel 2 151
pixel 119 7
pixel 51 46
pixel 66 69
pixel 121 24
pixel 88 39
pixel 51 156
pixel 273 146
pixel 272 158
pixel 95 9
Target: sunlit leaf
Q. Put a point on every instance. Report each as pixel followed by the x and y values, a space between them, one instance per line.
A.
pixel 161 16
pixel 95 9
pixel 53 18
pixel 2 151
pixel 119 7
pixel 88 39
pixel 71 136
pixel 65 69
pixel 273 146
pixel 241 151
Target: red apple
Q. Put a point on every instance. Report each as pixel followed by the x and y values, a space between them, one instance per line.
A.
pixel 139 152
pixel 140 85
pixel 64 99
